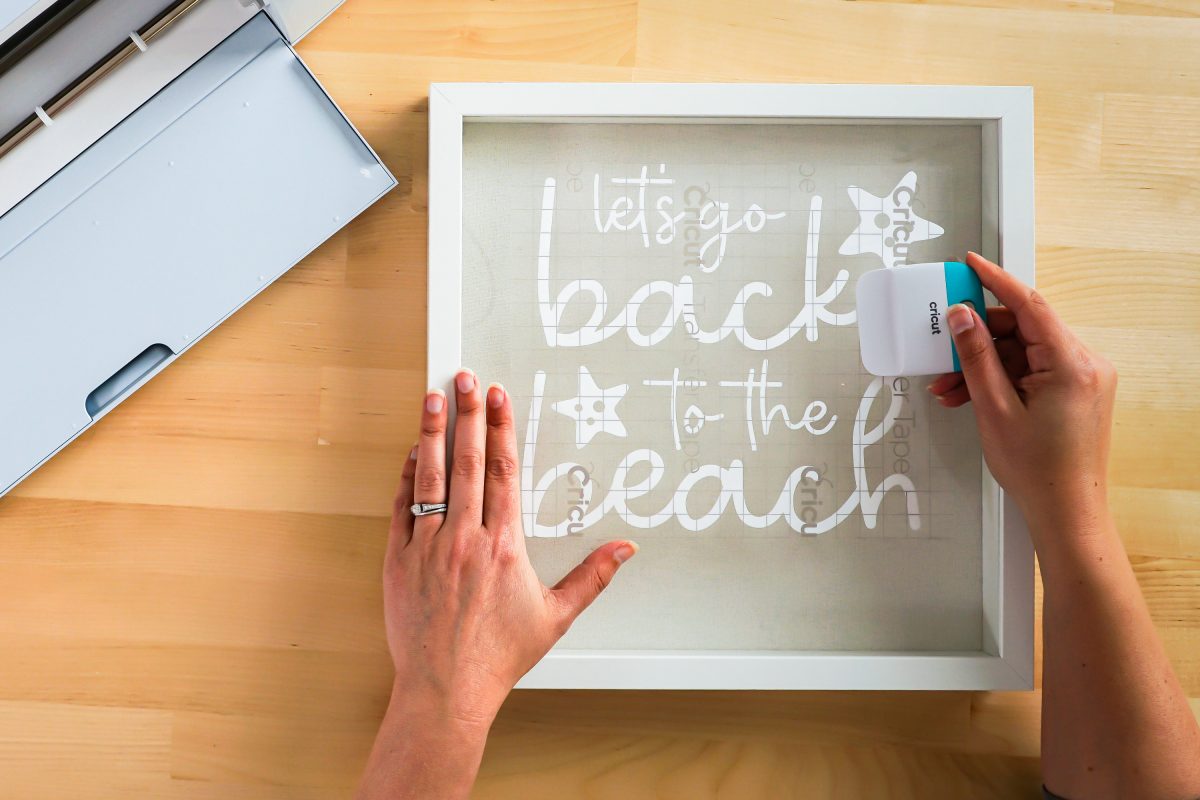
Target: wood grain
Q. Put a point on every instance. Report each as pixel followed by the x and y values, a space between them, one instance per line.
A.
pixel 189 599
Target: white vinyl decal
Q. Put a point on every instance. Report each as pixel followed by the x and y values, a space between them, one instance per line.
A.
pixel 743 403
pixel 593 410
pixel 888 225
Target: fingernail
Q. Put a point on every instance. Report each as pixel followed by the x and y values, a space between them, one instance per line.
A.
pixel 435 401
pixel 465 381
pixel 495 397
pixel 412 454
pixel 929 388
pixel 959 318
pixel 625 552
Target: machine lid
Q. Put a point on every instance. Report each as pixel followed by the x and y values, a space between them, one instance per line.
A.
pixel 24 20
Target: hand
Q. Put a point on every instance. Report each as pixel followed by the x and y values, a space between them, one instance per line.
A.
pixel 1043 400
pixel 1111 703
pixel 466 614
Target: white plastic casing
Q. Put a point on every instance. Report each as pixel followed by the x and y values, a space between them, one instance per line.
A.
pixel 164 227
pixel 901 321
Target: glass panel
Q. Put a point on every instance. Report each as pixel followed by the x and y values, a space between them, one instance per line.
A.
pixel 671 307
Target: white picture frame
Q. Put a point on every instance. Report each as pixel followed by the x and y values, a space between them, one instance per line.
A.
pixel 1005 114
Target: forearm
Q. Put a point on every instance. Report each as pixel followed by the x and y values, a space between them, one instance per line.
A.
pixel 420 753
pixel 1115 721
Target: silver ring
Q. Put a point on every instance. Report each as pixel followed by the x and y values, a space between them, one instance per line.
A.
pixel 424 509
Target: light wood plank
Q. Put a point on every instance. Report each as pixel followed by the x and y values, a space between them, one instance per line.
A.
pixel 285 750
pixel 1151 133
pixel 1127 290
pixel 557 31
pixel 1149 520
pixel 1147 212
pixel 1068 131
pixel 1086 6
pixel 813 40
pixel 1163 8
pixel 55 750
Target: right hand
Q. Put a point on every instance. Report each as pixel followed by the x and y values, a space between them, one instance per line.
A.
pixel 1043 400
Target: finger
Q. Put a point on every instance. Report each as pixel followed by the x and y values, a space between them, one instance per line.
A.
pixel 1001 322
pixel 500 485
pixel 1012 356
pixel 944 383
pixel 951 389
pixel 466 466
pixel 400 532
pixel 1036 320
pixel 584 584
pixel 958 396
pixel 1041 357
pixel 986 380
pixel 429 484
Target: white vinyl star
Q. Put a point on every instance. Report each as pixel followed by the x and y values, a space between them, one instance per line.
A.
pixel 887 225
pixel 594 410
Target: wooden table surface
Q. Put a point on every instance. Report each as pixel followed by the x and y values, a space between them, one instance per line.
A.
pixel 189 599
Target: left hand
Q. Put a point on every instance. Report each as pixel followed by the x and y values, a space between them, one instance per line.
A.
pixel 466 614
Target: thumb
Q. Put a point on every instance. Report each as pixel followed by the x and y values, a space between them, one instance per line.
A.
pixel 991 390
pixel 584 584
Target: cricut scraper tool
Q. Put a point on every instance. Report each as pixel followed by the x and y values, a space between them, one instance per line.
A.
pixel 902 316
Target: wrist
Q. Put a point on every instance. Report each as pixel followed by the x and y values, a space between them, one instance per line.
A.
pixel 1076 506
pixel 423 750
pixel 1073 525
pixel 436 714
